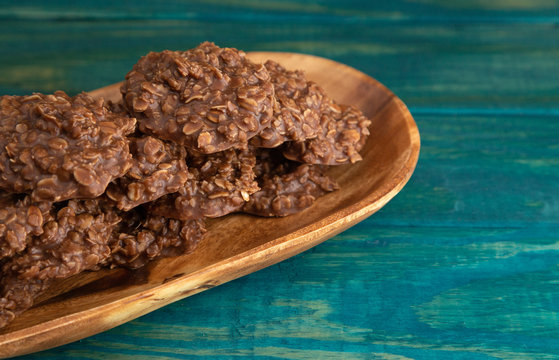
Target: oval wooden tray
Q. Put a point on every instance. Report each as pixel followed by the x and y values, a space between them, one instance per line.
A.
pixel 94 302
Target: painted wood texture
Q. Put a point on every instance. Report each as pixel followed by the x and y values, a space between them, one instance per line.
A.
pixel 462 264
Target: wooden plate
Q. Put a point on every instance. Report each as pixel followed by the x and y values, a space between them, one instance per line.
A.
pixel 94 302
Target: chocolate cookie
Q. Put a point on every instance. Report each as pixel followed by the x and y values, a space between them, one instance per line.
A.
pixel 75 240
pixel 286 187
pixel 56 147
pixel 342 133
pixel 296 110
pixel 141 238
pixel 158 168
pixel 20 219
pixel 208 98
pixel 221 183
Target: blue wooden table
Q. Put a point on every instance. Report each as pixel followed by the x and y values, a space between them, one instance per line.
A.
pixel 462 264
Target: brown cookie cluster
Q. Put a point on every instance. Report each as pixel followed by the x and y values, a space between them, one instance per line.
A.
pixel 158 168
pixel 75 240
pixel 57 148
pixel 286 187
pixel 20 218
pixel 207 98
pixel 220 184
pixel 200 133
pixel 296 111
pixel 343 131
pixel 141 237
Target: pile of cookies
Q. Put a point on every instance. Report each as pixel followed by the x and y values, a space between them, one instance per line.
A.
pixel 87 184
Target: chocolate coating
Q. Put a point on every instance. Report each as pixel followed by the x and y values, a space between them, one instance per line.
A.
pixel 343 132
pixel 220 184
pixel 57 148
pixel 158 168
pixel 75 240
pixel 208 98
pixel 20 219
pixel 86 235
pixel 286 187
pixel 140 238
pixel 297 108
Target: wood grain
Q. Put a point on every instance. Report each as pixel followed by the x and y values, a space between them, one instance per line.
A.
pixel 99 301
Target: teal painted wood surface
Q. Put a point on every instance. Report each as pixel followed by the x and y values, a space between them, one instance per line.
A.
pixel 462 264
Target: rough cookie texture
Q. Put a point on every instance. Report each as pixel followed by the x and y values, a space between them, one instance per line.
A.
pixel 82 188
pixel 56 147
pixel 76 239
pixel 286 187
pixel 220 184
pixel 141 238
pixel 20 219
pixel 342 133
pixel 158 168
pixel 207 98
pixel 296 111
